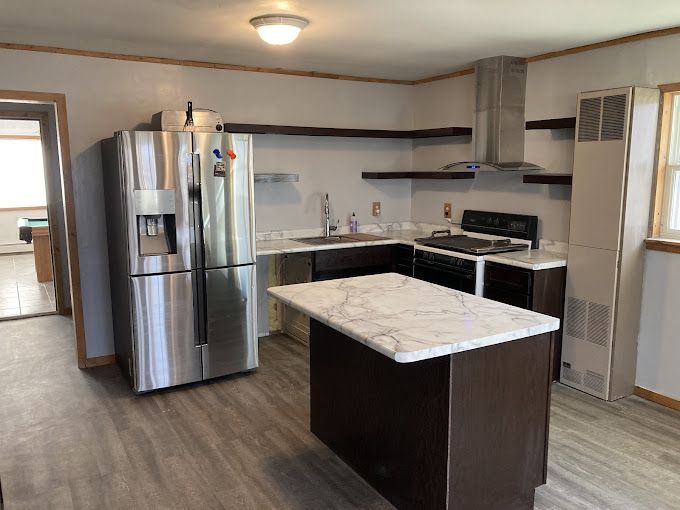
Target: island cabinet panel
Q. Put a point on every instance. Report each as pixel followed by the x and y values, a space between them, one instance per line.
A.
pixel 463 431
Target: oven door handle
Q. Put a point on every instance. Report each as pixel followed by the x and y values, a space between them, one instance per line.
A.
pixel 444 268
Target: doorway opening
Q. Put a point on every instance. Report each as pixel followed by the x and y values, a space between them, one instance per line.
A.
pixel 26 263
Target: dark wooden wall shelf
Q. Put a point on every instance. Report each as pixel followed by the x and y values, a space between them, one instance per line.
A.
pixel 348 133
pixel 564 179
pixel 563 123
pixel 418 175
pixel 271 129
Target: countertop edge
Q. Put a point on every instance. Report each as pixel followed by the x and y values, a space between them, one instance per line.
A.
pixel 434 352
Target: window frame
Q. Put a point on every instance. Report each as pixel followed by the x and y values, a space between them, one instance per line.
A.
pixel 662 195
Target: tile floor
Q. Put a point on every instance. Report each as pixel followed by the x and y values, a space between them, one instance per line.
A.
pixel 20 291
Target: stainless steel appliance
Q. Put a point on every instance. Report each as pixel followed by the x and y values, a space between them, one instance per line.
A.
pixel 613 174
pixel 457 260
pixel 180 221
pixel 500 84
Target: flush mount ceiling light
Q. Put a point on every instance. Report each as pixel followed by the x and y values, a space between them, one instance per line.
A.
pixel 278 29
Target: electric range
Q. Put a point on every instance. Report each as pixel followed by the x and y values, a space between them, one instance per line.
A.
pixel 457 260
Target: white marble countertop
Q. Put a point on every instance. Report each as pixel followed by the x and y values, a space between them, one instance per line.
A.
pixel 410 320
pixel 530 259
pixel 281 246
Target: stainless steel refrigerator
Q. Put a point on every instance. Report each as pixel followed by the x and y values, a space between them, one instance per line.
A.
pixel 181 236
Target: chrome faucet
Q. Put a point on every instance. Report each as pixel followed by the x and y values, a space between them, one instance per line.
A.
pixel 328 228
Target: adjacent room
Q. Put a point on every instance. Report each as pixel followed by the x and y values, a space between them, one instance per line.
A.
pixel 340 255
pixel 26 280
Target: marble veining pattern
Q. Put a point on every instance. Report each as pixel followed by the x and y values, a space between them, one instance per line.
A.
pixel 410 320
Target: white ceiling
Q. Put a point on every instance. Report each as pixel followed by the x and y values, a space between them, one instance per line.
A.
pixel 400 39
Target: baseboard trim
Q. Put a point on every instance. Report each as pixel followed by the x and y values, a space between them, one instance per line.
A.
pixel 653 396
pixel 99 361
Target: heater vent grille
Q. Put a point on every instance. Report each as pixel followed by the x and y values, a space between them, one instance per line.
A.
pixel 598 324
pixel 589 119
pixel 594 381
pixel 571 375
pixel 613 117
pixel 576 318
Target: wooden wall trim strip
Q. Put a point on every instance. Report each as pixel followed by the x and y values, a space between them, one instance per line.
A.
pixel 329 76
pixel 569 51
pixel 98 361
pixel 653 396
pixel 27 208
pixel 666 245
pixel 198 63
pixel 19 137
pixel 605 44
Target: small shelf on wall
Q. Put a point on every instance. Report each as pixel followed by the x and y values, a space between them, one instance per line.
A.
pixel 276 177
pixel 413 174
pixel 561 123
pixel 563 179
pixel 269 129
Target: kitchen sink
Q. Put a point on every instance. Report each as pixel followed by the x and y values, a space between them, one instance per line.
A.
pixel 350 238
pixel 325 240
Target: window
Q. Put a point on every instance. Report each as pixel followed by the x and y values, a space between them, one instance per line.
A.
pixel 22 176
pixel 670 212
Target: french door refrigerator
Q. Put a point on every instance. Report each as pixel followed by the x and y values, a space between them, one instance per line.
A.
pixel 180 228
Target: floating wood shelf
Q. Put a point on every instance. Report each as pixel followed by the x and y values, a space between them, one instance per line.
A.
pixel 272 129
pixel 564 179
pixel 563 123
pixel 276 177
pixel 418 175
pixel 348 133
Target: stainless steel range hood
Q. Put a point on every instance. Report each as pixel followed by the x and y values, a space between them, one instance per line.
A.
pixel 498 133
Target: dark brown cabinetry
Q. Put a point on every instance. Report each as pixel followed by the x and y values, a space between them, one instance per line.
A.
pixel 402 259
pixel 346 262
pixel 541 291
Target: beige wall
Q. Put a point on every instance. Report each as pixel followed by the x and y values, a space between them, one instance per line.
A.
pixel 106 95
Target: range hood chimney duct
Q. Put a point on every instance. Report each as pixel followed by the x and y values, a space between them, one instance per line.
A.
pixel 498 133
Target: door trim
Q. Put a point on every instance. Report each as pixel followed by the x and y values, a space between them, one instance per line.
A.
pixel 58 101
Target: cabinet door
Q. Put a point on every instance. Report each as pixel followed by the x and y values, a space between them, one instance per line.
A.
pixel 165 347
pixel 231 321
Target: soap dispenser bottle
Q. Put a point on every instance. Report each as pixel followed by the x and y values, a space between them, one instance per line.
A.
pixel 353 224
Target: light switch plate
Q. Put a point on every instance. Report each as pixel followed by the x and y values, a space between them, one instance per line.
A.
pixel 447 210
pixel 376 208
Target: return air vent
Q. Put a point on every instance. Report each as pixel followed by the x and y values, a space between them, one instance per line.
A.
pixel 594 381
pixel 589 119
pixel 598 324
pixel 571 375
pixel 613 117
pixel 576 318
pixel 588 321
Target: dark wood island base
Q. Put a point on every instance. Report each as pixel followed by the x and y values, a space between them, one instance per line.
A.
pixel 462 431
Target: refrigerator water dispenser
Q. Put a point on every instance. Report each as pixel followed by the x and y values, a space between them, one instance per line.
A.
pixel 156 228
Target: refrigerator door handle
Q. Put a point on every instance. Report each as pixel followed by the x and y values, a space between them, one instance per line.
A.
pixel 194 183
pixel 198 290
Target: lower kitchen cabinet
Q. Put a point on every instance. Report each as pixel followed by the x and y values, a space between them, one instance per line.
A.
pixel 541 291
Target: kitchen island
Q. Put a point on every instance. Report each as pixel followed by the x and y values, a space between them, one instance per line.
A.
pixel 437 398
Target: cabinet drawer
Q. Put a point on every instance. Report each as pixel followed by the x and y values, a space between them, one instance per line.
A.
pixel 508 297
pixel 352 258
pixel 508 278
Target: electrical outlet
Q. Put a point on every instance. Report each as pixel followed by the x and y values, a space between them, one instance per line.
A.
pixel 447 210
pixel 376 208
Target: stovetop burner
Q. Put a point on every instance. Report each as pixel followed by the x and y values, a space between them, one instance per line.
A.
pixel 466 244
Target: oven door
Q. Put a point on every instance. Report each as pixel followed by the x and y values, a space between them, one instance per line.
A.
pixel 444 275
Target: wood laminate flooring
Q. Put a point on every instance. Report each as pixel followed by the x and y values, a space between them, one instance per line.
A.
pixel 79 439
